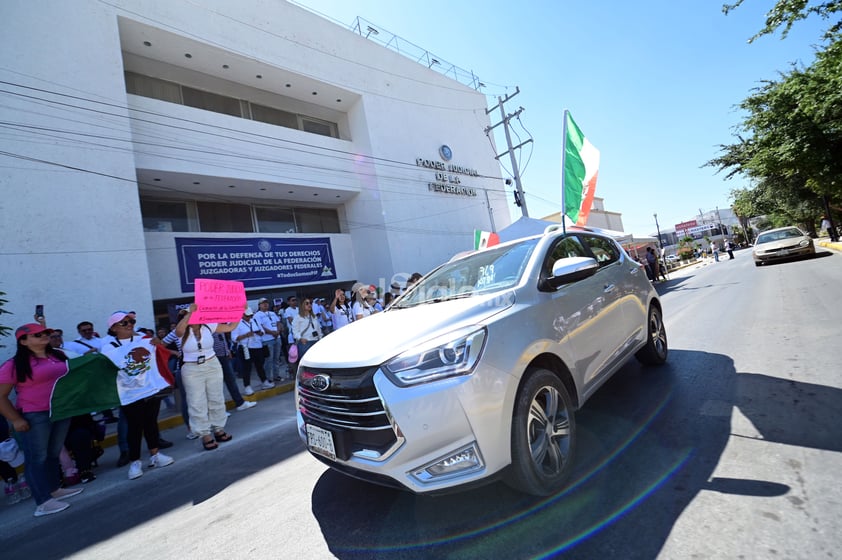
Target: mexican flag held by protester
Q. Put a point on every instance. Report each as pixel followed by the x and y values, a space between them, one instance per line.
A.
pixel 580 166
pixel 90 385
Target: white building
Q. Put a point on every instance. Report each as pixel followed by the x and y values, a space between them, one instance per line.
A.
pixel 303 156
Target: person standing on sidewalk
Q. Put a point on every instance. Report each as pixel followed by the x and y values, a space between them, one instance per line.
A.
pixel 201 374
pixel 268 321
pixel 247 335
pixel 138 381
pixel 32 373
pixel 826 225
pixel 222 349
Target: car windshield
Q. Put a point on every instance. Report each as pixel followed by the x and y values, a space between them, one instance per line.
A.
pixel 485 271
pixel 778 235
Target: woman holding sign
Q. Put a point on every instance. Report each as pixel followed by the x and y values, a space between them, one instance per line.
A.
pixel 201 374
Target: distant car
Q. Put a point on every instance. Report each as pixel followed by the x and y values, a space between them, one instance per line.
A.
pixel 672 258
pixel 782 243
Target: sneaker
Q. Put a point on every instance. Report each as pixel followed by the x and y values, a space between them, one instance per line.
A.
pixel 50 506
pixel 65 492
pixel 247 390
pixel 160 460
pixel 87 476
pixel 23 489
pixel 191 435
pixel 12 494
pixel 268 384
pixel 135 470
pixel 246 405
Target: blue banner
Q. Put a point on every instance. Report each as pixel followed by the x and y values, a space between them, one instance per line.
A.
pixel 254 262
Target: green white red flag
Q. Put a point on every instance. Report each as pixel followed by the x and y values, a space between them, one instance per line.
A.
pixel 483 239
pixel 579 173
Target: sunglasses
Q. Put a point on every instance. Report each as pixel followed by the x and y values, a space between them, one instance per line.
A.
pixel 41 334
pixel 126 322
pixel 306 303
pixel 86 330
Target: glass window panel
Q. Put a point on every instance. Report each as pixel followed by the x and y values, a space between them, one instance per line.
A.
pixel 274 116
pixel 225 217
pixel 155 88
pixel 330 221
pixel 161 215
pixel 275 220
pixel 318 127
pixel 211 101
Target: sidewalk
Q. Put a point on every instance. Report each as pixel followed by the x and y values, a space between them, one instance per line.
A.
pixel 274 414
pixel 171 417
pixel 826 242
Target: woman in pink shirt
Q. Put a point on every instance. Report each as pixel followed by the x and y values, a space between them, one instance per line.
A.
pixel 32 373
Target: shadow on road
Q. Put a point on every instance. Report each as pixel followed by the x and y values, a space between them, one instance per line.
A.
pixel 649 441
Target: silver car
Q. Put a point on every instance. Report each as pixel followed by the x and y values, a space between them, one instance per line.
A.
pixel 782 243
pixel 475 373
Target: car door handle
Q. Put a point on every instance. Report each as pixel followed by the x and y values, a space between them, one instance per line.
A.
pixel 608 288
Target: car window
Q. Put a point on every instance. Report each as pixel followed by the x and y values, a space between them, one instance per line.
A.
pixel 562 249
pixel 604 250
pixel 491 269
pixel 778 235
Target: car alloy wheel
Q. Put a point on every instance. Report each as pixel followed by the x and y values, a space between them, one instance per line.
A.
pixel 656 350
pixel 543 435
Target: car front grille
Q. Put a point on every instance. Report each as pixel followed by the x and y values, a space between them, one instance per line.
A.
pixel 350 408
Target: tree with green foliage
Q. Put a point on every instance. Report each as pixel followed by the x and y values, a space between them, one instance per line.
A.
pixel 786 12
pixel 789 143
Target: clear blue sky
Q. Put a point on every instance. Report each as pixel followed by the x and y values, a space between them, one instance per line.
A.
pixel 653 84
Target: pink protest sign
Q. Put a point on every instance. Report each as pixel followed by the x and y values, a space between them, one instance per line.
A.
pixel 218 301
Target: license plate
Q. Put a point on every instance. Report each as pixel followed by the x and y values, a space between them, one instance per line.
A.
pixel 320 441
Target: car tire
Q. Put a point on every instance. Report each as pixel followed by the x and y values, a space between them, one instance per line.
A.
pixel 656 349
pixel 543 435
pixel 756 263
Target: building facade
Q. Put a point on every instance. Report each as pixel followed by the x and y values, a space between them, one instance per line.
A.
pixel 151 143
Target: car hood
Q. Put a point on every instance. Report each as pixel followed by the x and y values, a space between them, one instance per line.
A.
pixel 380 337
pixel 779 244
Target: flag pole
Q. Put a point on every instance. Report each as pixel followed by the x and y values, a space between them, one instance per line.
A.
pixel 563 158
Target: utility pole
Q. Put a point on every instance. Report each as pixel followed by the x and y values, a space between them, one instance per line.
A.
pixel 505 122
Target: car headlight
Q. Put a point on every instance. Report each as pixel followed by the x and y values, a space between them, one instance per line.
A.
pixel 448 355
pixel 804 242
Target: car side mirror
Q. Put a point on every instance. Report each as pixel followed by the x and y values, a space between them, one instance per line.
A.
pixel 571 269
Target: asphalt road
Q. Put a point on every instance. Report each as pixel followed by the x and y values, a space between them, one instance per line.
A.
pixel 730 450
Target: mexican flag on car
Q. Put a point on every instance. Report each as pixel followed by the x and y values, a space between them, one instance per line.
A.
pixel 90 385
pixel 483 239
pixel 580 168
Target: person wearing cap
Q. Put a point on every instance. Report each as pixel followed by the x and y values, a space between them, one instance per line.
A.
pixel 138 379
pixel 247 334
pixel 363 305
pixel 269 324
pixel 32 373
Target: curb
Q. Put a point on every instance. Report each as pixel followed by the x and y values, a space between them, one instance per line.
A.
pixel 831 245
pixel 176 420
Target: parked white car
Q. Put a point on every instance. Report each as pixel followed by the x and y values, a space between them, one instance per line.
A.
pixel 475 373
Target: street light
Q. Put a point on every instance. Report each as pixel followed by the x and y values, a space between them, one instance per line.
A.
pixel 660 243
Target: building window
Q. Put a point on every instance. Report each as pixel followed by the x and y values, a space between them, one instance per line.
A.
pixel 273 116
pixel 153 87
pixel 316 126
pixel 172 92
pixel 163 215
pixel 225 217
pixel 275 220
pixel 315 220
pixel 211 101
pixel 178 216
